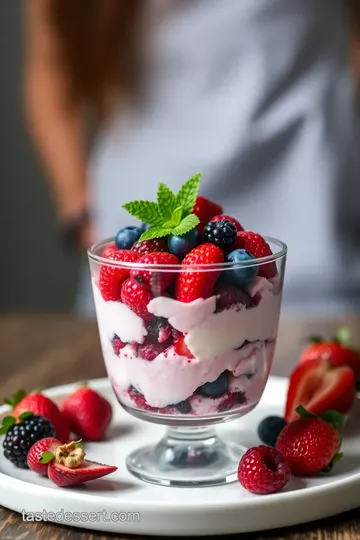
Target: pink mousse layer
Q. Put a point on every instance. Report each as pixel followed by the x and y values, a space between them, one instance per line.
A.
pixel 215 339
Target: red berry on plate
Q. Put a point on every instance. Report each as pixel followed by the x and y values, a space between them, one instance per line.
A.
pixel 136 298
pixel 334 351
pixel 205 210
pixel 234 221
pixel 192 284
pixel 112 277
pixel 158 280
pixel 258 247
pixel 49 444
pixel 88 413
pixel 319 388
pixel 181 348
pixel 310 445
pixel 149 246
pixel 109 250
pixel 41 405
pixel 69 468
pixel 263 470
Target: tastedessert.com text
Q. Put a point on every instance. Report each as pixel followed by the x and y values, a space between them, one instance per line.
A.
pixel 77 517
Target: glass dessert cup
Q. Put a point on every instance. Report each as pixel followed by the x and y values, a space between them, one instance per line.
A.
pixel 188 365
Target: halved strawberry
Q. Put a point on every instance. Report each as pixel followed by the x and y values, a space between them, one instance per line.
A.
pixel 181 348
pixel 318 387
pixel 90 470
pixel 48 444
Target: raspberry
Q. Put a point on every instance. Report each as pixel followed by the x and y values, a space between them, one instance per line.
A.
pixel 149 246
pixel 117 344
pixel 136 298
pixel 112 277
pixel 109 250
pixel 221 233
pixel 157 281
pixel 258 247
pixel 234 221
pixel 263 470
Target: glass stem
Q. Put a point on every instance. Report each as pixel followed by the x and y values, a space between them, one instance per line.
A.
pixel 190 433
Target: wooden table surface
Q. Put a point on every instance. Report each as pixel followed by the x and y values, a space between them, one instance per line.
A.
pixel 54 350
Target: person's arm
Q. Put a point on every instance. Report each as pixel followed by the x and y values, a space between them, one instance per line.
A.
pixel 58 130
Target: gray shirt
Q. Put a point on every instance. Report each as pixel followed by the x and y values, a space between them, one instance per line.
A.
pixel 257 95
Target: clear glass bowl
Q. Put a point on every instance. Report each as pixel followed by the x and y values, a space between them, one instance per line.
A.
pixel 188 366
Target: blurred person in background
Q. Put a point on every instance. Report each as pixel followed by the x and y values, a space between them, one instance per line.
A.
pixel 256 94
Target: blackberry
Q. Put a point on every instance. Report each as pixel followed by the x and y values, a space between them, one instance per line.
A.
pixel 20 437
pixel 221 233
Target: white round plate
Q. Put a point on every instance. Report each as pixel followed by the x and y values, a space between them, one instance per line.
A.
pixel 121 503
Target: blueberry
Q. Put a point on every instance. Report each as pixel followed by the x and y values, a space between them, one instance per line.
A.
pixel 216 388
pixel 182 245
pixel 241 275
pixel 127 236
pixel 144 227
pixel 184 407
pixel 269 429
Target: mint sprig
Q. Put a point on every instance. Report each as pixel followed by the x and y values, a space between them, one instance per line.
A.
pixel 171 214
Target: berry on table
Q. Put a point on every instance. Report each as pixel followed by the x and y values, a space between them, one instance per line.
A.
pixel 21 436
pixel 263 470
pixel 40 405
pixel 136 298
pixel 127 236
pixel 34 462
pixel 112 277
pixel 258 247
pixel 87 412
pixel 182 245
pixel 149 246
pixel 241 275
pixel 214 389
pixel 192 284
pixel 205 209
pixel 311 444
pixel 270 428
pixel 221 233
pixel 155 280
pixel 234 221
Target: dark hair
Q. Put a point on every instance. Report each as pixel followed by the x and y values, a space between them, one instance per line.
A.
pixel 98 49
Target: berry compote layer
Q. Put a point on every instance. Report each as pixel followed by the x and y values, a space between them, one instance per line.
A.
pixel 203 357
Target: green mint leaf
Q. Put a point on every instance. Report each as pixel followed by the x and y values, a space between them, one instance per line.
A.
pixel 25 415
pixel 342 336
pixel 334 418
pixel 166 201
pixel 187 224
pixel 186 195
pixel 175 218
pixel 46 457
pixel 155 232
pixel 145 211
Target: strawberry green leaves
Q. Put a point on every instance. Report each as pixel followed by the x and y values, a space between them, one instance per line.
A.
pixel 171 214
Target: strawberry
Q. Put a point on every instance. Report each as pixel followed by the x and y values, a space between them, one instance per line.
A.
pixel 67 466
pixel 318 387
pixel 335 351
pixel 88 413
pixel 48 444
pixel 149 246
pixel 181 348
pixel 232 220
pixel 205 210
pixel 157 281
pixel 109 250
pixel 191 284
pixel 112 277
pixel 258 247
pixel 136 298
pixel 311 444
pixel 40 405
